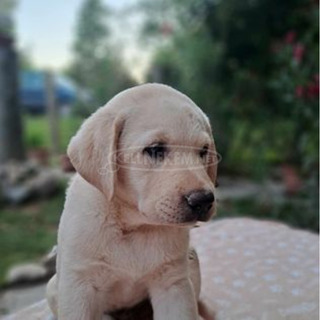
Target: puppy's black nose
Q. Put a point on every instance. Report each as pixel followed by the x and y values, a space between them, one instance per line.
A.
pixel 200 202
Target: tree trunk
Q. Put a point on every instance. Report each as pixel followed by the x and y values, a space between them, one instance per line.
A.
pixel 11 143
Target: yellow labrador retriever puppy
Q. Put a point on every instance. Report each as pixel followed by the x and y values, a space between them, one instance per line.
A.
pixel 145 165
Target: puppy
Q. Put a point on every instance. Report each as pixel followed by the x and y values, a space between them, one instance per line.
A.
pixel 146 164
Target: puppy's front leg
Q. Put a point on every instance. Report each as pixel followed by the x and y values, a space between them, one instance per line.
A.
pixel 79 301
pixel 174 302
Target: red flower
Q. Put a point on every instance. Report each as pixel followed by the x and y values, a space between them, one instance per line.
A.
pixel 298 52
pixel 299 91
pixel 290 37
pixel 312 90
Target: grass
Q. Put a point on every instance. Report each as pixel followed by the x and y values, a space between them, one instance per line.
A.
pixel 37 131
pixel 28 232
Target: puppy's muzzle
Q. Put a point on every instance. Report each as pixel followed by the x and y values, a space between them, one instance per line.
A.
pixel 200 202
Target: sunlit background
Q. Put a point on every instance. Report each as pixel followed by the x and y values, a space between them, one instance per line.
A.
pixel 251 65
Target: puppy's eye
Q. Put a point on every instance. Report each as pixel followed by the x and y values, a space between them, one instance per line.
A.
pixel 156 151
pixel 204 152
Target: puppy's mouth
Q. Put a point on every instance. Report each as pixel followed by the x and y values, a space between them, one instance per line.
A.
pixel 187 216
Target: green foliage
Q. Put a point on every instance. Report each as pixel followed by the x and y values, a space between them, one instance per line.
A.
pixel 96 64
pixel 90 30
pixel 237 61
pixel 6 12
pixel 256 148
pixel 253 67
pixel 37 131
pixel 294 84
pixel 7 6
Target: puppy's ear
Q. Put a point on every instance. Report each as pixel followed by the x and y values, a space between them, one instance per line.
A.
pixel 92 151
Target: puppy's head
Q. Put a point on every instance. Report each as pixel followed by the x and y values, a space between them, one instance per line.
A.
pixel 150 148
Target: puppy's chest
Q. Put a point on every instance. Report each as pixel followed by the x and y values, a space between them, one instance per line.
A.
pixel 122 267
pixel 140 256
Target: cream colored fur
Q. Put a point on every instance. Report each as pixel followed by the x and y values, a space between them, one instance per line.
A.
pixel 122 236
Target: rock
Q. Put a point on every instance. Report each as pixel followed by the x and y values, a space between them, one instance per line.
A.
pixel 20 182
pixel 236 189
pixel 16 194
pixel 16 172
pixel 242 189
pixel 27 272
pixel 33 272
pixel 44 184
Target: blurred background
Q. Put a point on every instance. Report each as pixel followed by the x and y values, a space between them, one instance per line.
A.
pixel 251 65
